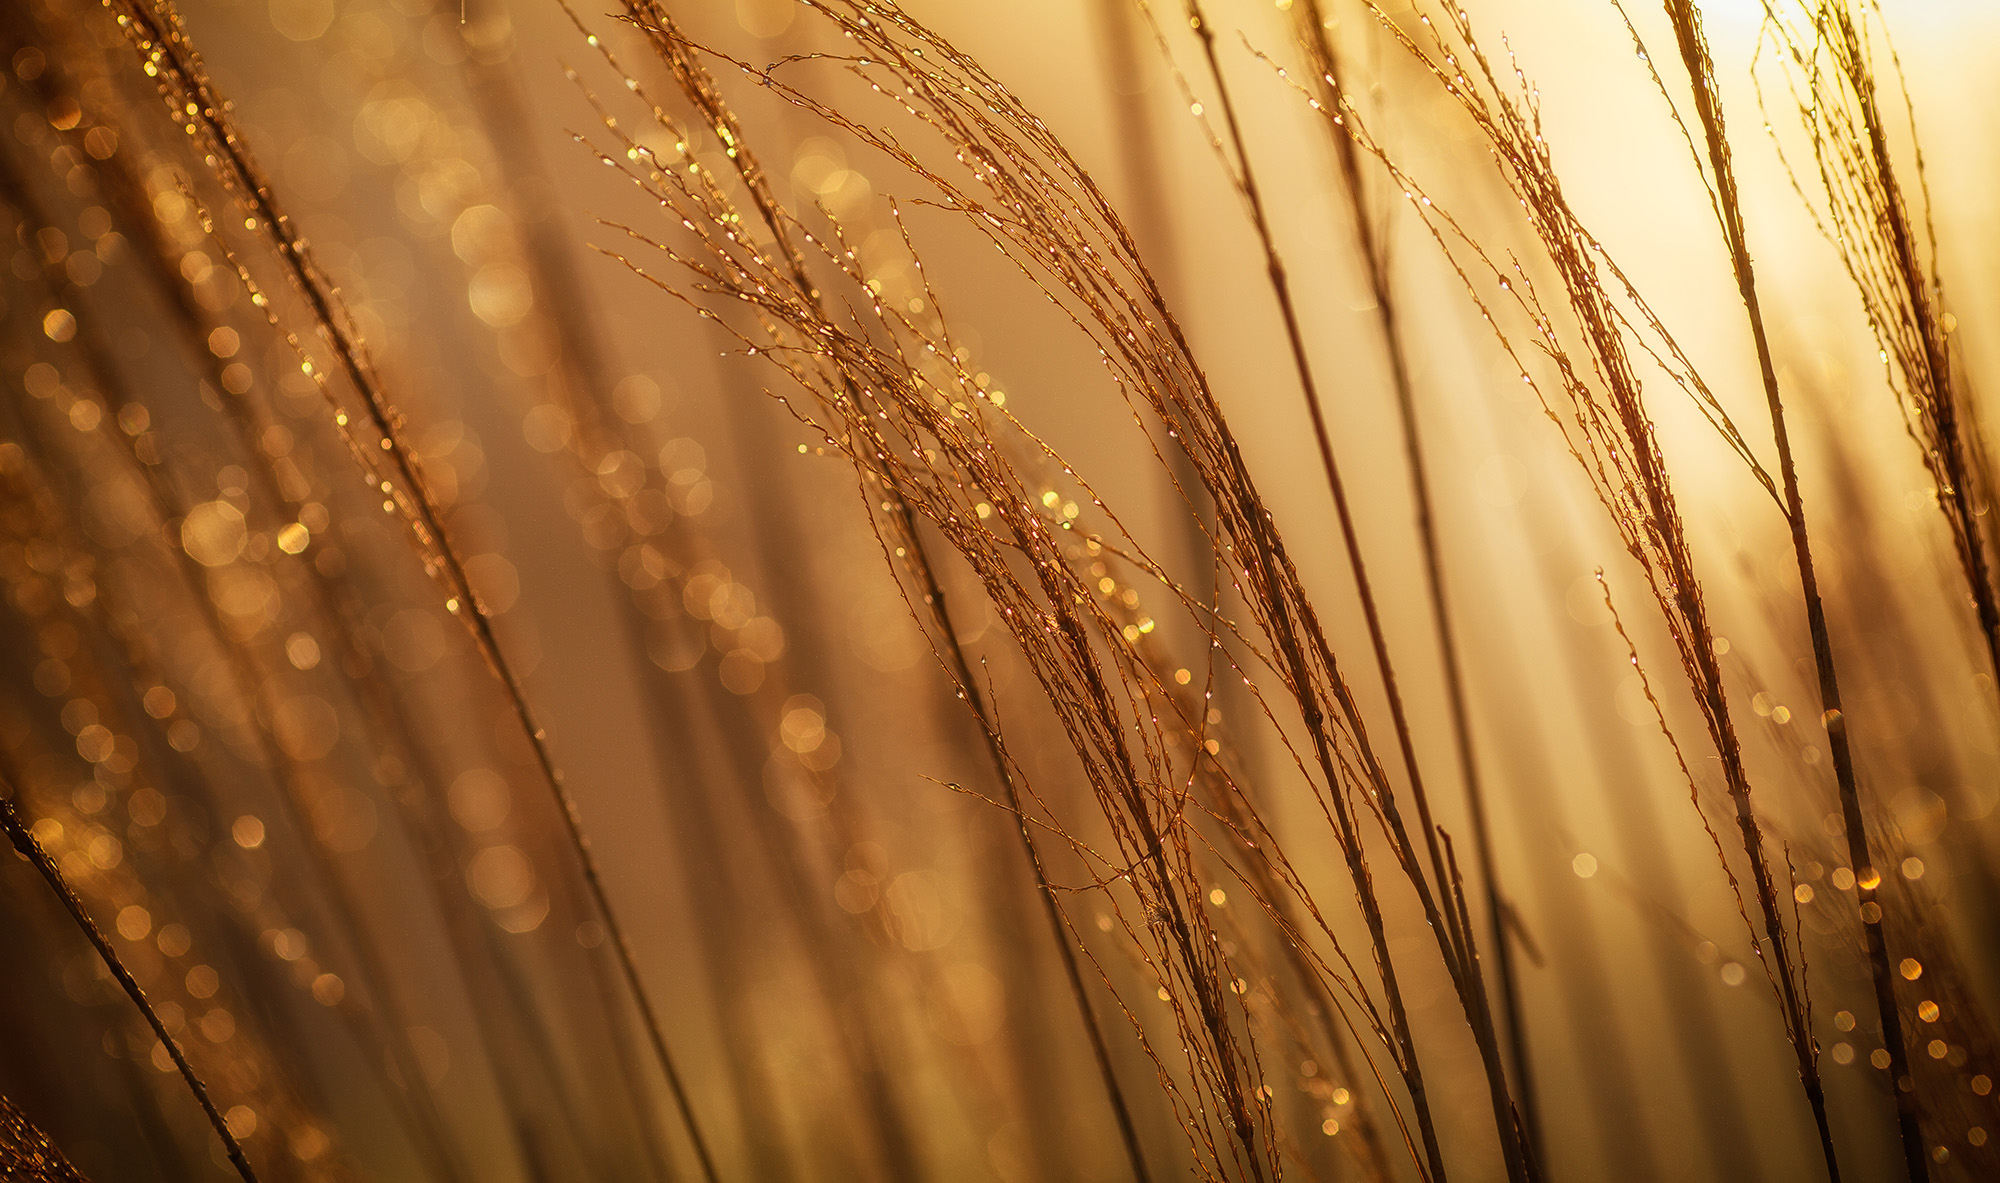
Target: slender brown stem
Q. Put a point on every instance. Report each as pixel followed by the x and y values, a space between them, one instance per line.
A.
pixel 1706 678
pixel 1686 20
pixel 1319 44
pixel 1295 338
pixel 919 562
pixel 584 394
pixel 30 849
pixel 652 16
pixel 1450 925
pixel 419 1111
pixel 156 33
pixel 471 936
pixel 1953 447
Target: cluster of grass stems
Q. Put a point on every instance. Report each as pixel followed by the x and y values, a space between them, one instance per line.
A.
pixel 1253 884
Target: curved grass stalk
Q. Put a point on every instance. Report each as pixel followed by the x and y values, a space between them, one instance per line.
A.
pixel 1051 213
pixel 1124 32
pixel 653 18
pixel 253 686
pixel 337 604
pixel 1449 924
pixel 1693 45
pixel 1872 220
pixel 31 850
pixel 1318 39
pixel 1606 425
pixel 154 29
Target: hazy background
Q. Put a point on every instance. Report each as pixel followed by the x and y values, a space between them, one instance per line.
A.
pixel 1657 1053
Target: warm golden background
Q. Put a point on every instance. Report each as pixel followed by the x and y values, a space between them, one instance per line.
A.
pixel 341 878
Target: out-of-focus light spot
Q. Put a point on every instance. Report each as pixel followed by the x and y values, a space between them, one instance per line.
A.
pixel 214 533
pixel 134 922
pixel 248 831
pixel 241 1120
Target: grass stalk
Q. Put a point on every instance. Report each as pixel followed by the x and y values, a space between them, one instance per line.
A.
pixel 156 33
pixel 472 938
pixel 31 850
pixel 583 393
pixel 692 78
pixel 1124 36
pixel 1693 44
pixel 1449 924
pixel 1318 38
pixel 1624 463
pixel 1871 219
pixel 419 1112
pixel 1063 226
